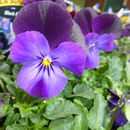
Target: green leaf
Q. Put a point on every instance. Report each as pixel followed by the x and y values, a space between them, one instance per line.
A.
pixel 86 102
pixel 128 72
pixel 114 84
pixel 60 109
pixel 115 68
pixel 35 118
pixel 126 110
pixel 25 110
pixel 96 116
pixel 2 57
pixel 42 123
pixel 103 68
pixel 125 127
pixel 6 78
pixel 4 104
pixel 67 90
pixel 70 75
pixel 4 68
pixel 17 127
pixel 16 69
pixel 23 121
pixel 11 118
pixel 62 124
pixel 80 104
pixel 82 90
pixel 81 122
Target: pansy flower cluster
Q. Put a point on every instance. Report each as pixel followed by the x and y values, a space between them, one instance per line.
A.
pixel 48 39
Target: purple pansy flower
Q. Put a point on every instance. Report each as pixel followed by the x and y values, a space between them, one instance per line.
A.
pixel 120 118
pixel 126 31
pixel 41 75
pixel 61 2
pixel 99 32
pixel 53 21
pixel 95 43
pixel 43 56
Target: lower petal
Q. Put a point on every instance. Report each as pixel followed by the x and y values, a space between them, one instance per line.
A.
pixel 92 59
pixel 120 118
pixel 42 82
pixel 54 81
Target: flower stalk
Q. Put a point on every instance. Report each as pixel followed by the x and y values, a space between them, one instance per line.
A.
pixel 121 102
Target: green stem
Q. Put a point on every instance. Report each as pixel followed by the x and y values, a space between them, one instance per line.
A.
pixel 113 118
pixel 2 86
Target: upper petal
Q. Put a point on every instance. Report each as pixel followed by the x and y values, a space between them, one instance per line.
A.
pixel 92 59
pixel 61 2
pixel 42 82
pixel 105 42
pixel 107 23
pixel 78 37
pixel 28 47
pixel 90 39
pixel 46 17
pixel 84 19
pixel 70 56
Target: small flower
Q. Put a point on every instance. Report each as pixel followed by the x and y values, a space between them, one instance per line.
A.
pixel 99 32
pixel 89 21
pixel 95 43
pixel 126 31
pixel 41 74
pixel 120 118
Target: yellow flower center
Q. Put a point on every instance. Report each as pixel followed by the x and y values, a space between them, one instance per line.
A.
pixel 4 19
pixel 46 63
pixel 91 46
pixel 124 19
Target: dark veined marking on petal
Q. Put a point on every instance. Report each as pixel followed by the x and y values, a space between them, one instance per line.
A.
pixel 40 69
pixel 51 67
pixel 48 71
pixel 39 65
pixel 39 57
pixel 44 68
pixel 37 72
pixel 42 55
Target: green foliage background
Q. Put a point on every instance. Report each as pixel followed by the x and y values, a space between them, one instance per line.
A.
pixel 84 103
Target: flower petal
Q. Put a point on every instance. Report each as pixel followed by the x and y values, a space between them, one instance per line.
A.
pixel 78 37
pixel 105 42
pixel 46 17
pixel 113 94
pixel 90 39
pixel 120 118
pixel 114 101
pixel 84 19
pixel 61 2
pixel 70 56
pixel 107 23
pixel 42 82
pixel 92 59
pixel 28 47
pixel 126 31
